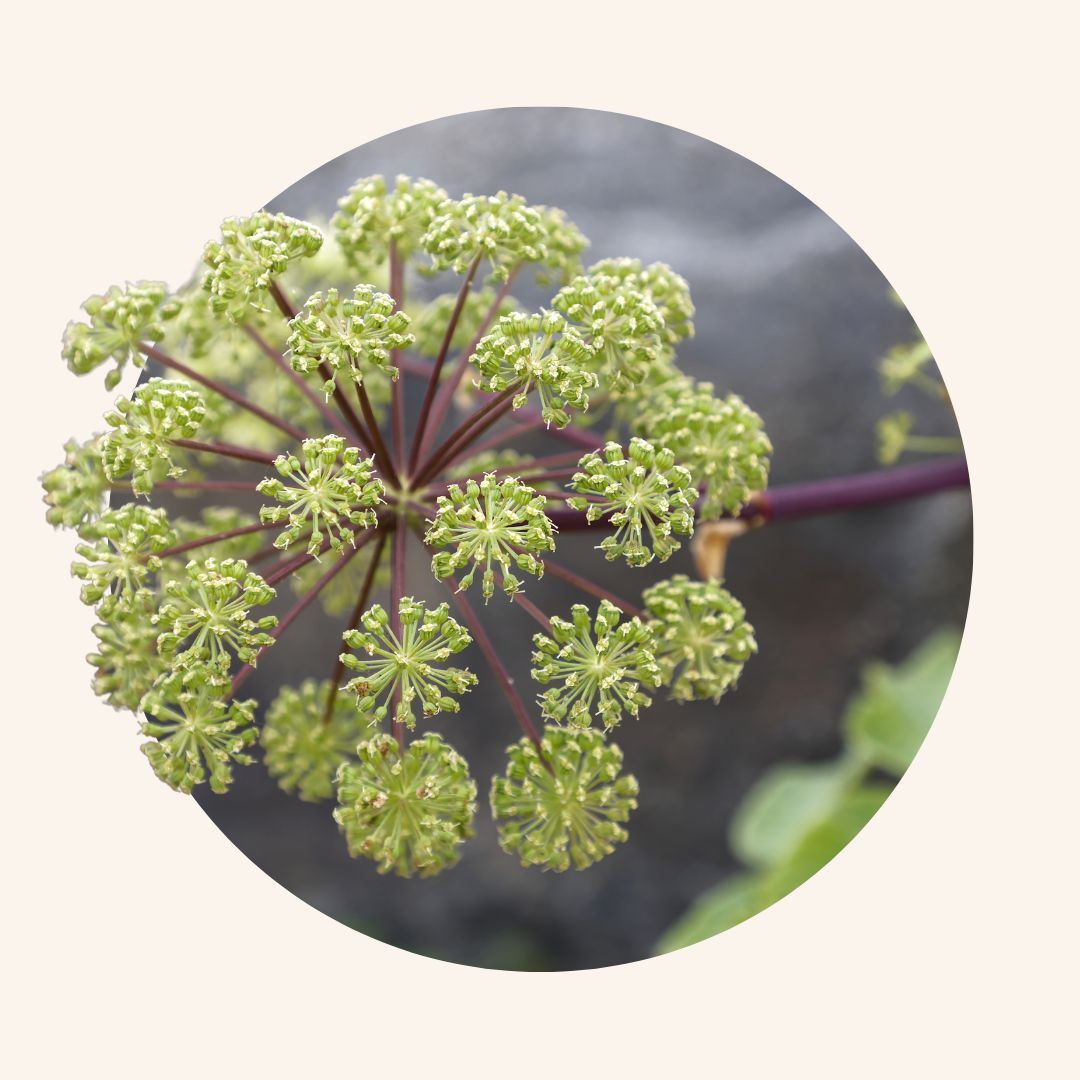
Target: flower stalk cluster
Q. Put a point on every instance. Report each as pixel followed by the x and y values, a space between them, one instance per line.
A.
pixel 253 419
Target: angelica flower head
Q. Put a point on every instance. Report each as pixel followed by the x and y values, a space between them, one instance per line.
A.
pixel 491 522
pixel 372 216
pixel 541 352
pixel 500 229
pixel 666 290
pixel 351 337
pixel 144 427
pixel 253 251
pixel 565 803
pixel 126 661
pixel 75 490
pixel 407 810
pixel 205 615
pixel 602 667
pixel 618 322
pixel 333 488
pixel 720 440
pixel 119 322
pixel 120 549
pixel 701 637
pixel 644 493
pixel 304 744
pixel 410 665
pixel 198 731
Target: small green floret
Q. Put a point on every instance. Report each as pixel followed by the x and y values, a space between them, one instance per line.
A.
pixel 541 352
pixel 666 290
pixel 412 666
pixel 144 426
pixel 127 663
pixel 304 745
pixel 253 251
pixel 333 488
pixel 75 490
pixel 644 493
pixel 907 363
pixel 702 638
pixel 372 215
pixel 569 811
pixel 351 337
pixel 491 522
pixel 205 615
pixel 119 322
pixel 618 322
pixel 720 440
pixel 500 229
pixel 199 732
pixel 600 667
pixel 408 810
pixel 120 550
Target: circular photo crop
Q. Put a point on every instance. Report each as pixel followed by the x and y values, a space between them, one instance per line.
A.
pixel 539 538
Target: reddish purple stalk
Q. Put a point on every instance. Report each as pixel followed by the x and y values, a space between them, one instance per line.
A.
pixel 300 606
pixel 220 388
pixel 498 669
pixel 397 591
pixel 333 421
pixel 354 621
pixel 436 370
pixel 446 392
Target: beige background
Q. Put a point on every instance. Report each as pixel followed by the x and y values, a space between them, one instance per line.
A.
pixel 942 941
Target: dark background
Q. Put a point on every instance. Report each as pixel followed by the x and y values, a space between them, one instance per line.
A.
pixel 791 315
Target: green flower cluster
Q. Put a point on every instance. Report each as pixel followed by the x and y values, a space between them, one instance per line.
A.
pixel 372 216
pixel 119 322
pixel 143 430
pixel 409 667
pixel 350 337
pixel 501 229
pixel 720 440
pixel 120 550
pixel 563 804
pixel 126 662
pixel 667 291
pixel 407 810
pixel 599 667
pixel 75 489
pixel 701 637
pixel 493 521
pixel 171 630
pixel 253 251
pixel 643 493
pixel 205 616
pixel 303 744
pixel 198 732
pixel 618 322
pixel 333 486
pixel 541 352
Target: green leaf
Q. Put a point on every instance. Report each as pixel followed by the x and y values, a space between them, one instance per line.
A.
pixel 715 911
pixel 888 720
pixel 825 840
pixel 787 803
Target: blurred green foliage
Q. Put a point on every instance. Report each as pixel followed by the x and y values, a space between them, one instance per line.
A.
pixel 798 816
